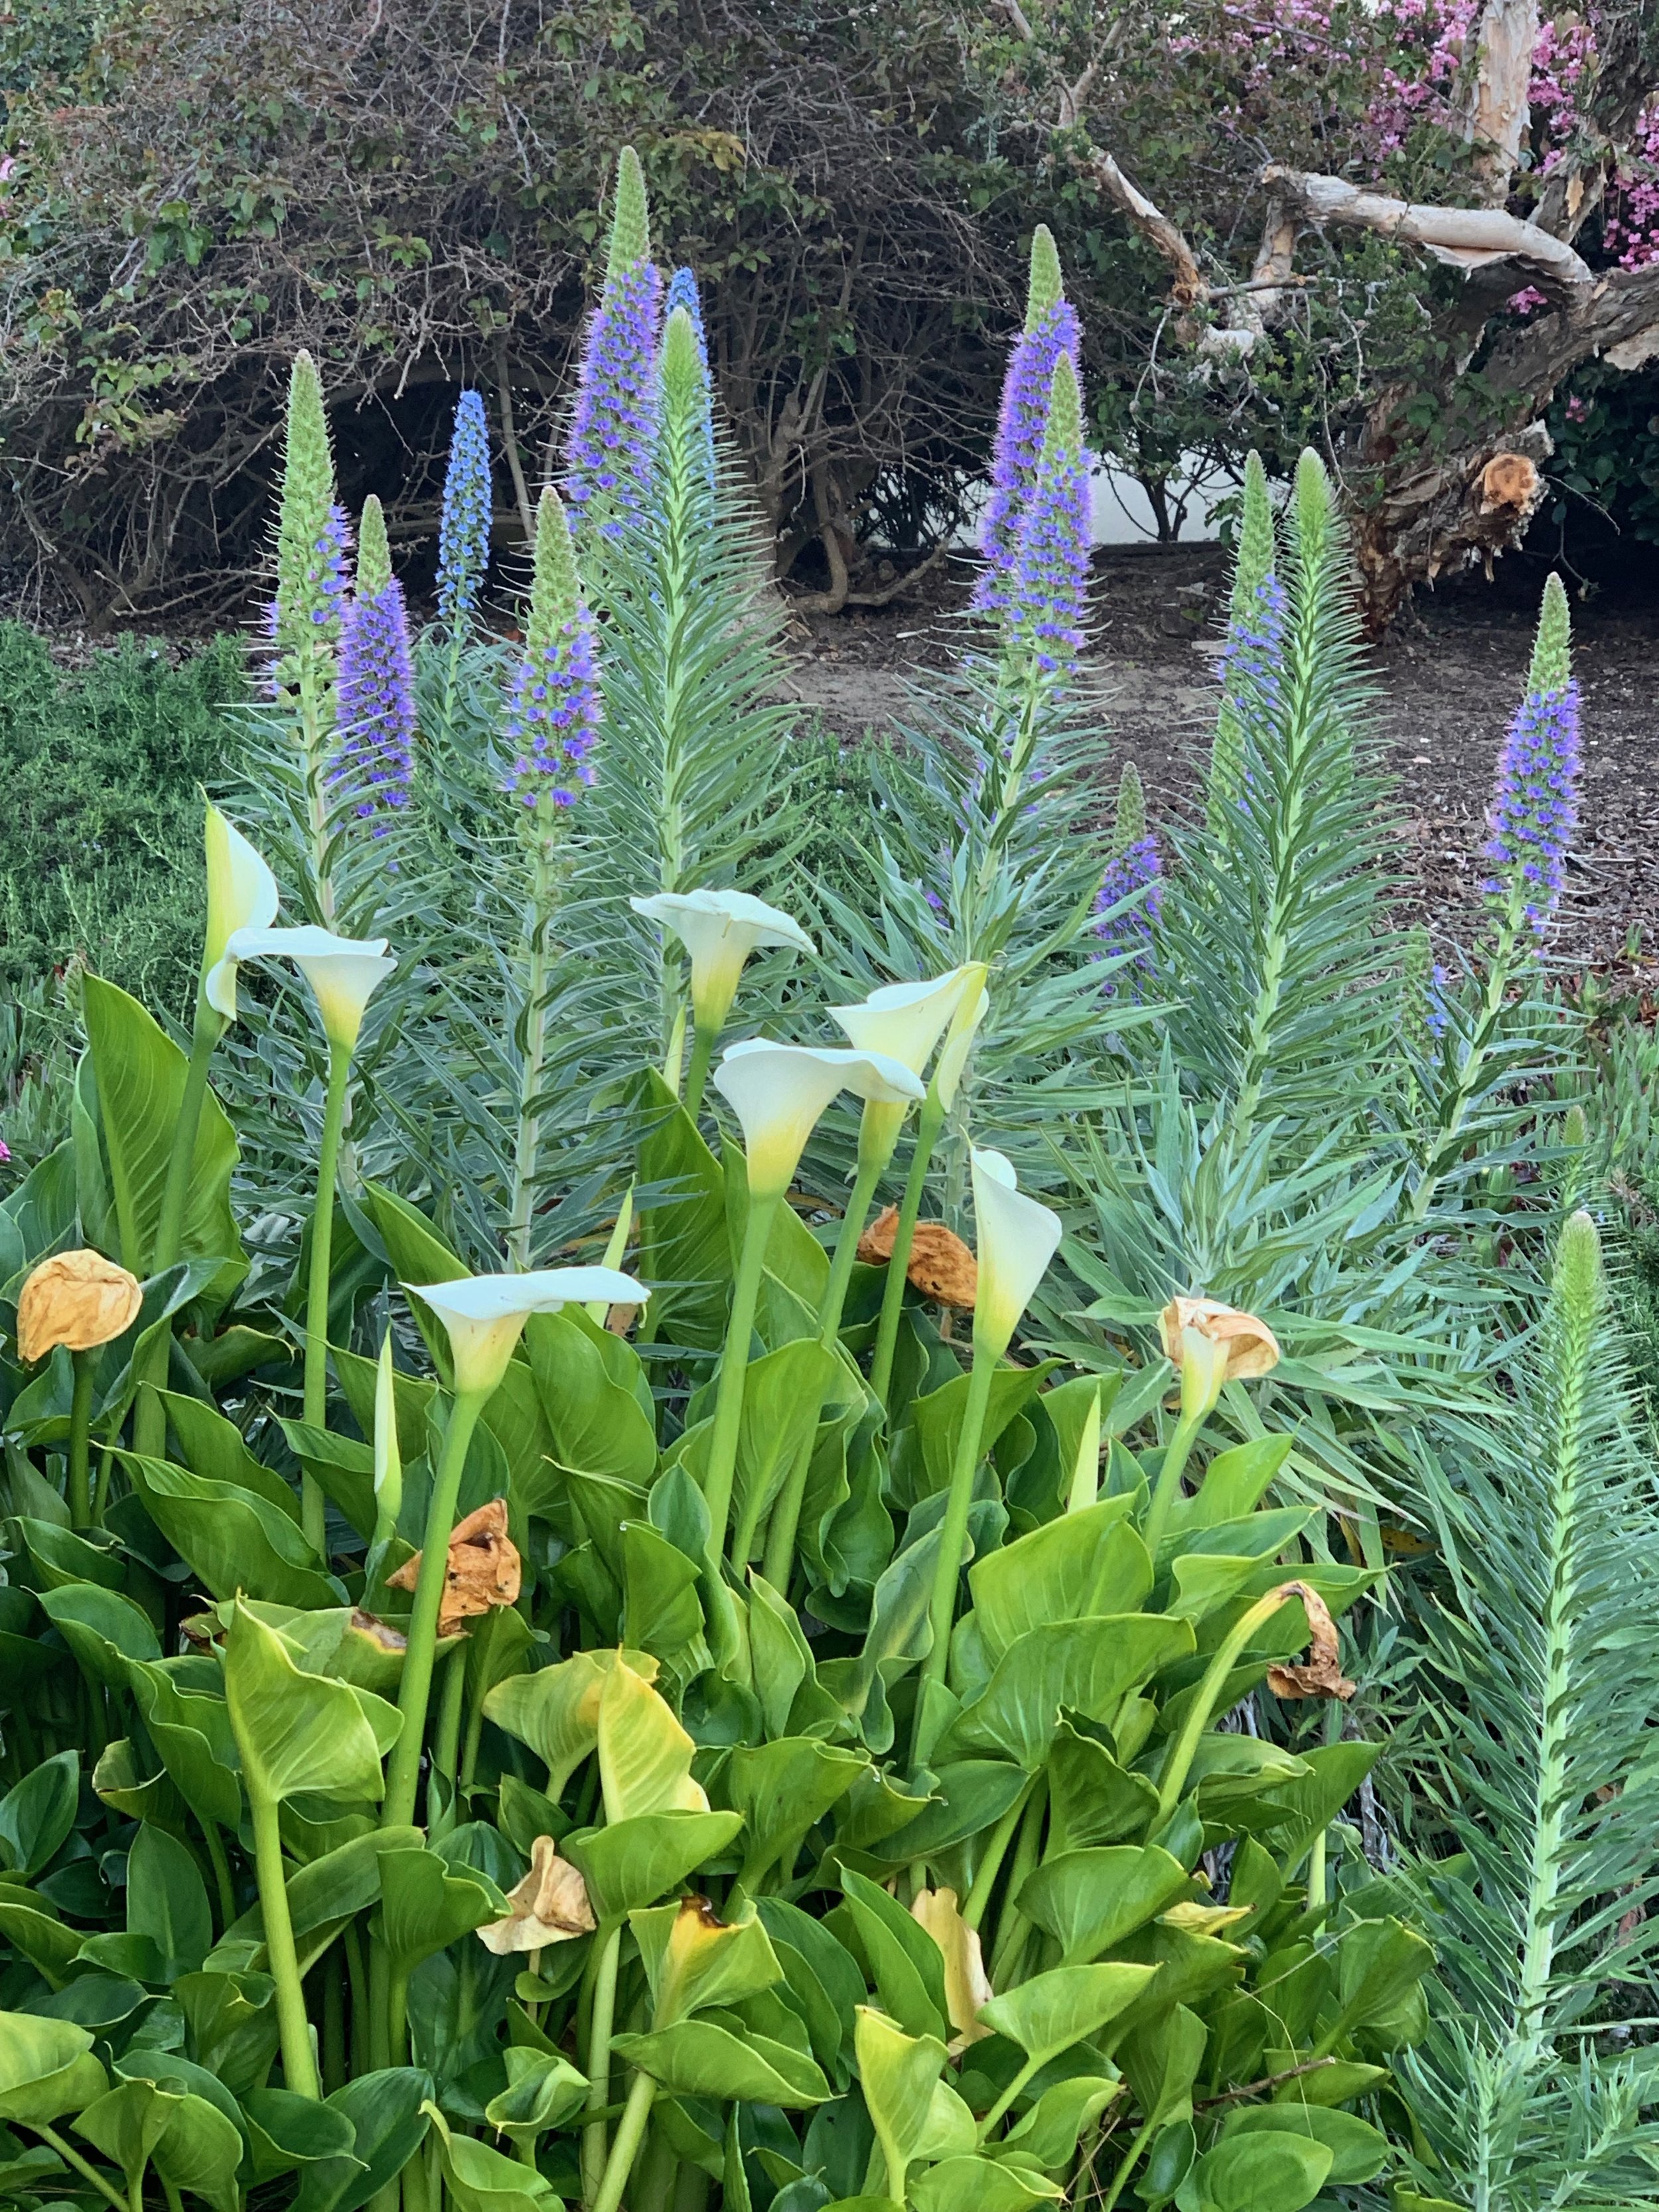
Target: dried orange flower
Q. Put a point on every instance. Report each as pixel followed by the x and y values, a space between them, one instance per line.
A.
pixel 1251 1347
pixel 549 1905
pixel 80 1299
pixel 1319 1676
pixel 942 1266
pixel 484 1568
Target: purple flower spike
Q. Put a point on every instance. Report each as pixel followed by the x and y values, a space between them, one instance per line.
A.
pixel 613 430
pixel 1534 809
pixel 1047 587
pixel 1253 659
pixel 375 758
pixel 1019 447
pixel 553 718
pixel 1133 869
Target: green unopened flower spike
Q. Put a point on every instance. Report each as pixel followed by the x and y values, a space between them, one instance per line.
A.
pixel 305 602
pixel 1252 626
pixel 1129 820
pixel 631 218
pixel 1047 286
pixel 374 551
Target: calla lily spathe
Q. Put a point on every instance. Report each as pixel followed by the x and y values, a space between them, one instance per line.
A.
pixel 971 1008
pixel 720 930
pixel 484 1314
pixel 241 894
pixel 1018 1238
pixel 778 1091
pixel 906 1020
pixel 344 972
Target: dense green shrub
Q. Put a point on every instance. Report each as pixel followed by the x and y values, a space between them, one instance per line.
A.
pixel 103 769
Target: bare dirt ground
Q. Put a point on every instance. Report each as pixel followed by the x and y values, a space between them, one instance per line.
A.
pixel 1446 682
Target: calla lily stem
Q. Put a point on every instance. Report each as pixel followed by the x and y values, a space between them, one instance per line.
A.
pixel 729 1401
pixel 625 2146
pixel 404 1766
pixel 298 2062
pixel 602 2008
pixel 313 1506
pixel 929 1122
pixel 79 1441
pixel 1167 1487
pixel 703 1042
pixel 1209 1692
pixel 149 1426
pixel 942 1606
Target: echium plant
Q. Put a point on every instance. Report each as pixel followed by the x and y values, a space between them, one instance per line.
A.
pixel 1051 331
pixel 463 536
pixel 312 547
pixel 1127 904
pixel 1252 658
pixel 375 719
pixel 683 294
pixel 1534 810
pixel 552 725
pixel 613 426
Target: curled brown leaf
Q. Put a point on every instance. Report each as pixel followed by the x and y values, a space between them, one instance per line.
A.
pixel 942 1266
pixel 1319 1676
pixel 484 1568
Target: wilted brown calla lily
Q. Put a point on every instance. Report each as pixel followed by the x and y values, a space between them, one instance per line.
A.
pixel 484 1568
pixel 549 1905
pixel 1320 1674
pixel 942 1266
pixel 78 1299
pixel 1250 1345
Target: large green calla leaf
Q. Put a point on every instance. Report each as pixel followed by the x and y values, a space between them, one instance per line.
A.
pixel 544 2089
pixel 1276 2172
pixel 168 1901
pixel 234 1541
pixel 1085 1563
pixel 1358 2151
pixel 1068 2004
pixel 695 1960
pixel 700 2057
pixel 971 2184
pixel 906 1966
pixel 231 2024
pixel 36 1814
pixel 329 1890
pixel 214 1447
pixel 1047 2135
pixel 46 2068
pixel 140 1082
pixel 685 1253
pixel 628 1864
pixel 193 1734
pixel 42 1938
pixel 424 1907
pixel 556 1710
pixel 287 2133
pixel 201 2152
pixel 295 1732
pixel 126 2122
pixel 596 1422
pixel 783 1788
pixel 387 2112
pixel 644 1754
pixel 661 1609
pixel 1090 1900
pixel 117 1780
pixel 481 2180
pixel 1086 1667
pixel 102 1628
pixel 898 2074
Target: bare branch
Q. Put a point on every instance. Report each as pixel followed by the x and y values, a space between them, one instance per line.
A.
pixel 1188 287
pixel 1468 238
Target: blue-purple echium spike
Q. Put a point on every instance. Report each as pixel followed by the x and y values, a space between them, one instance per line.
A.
pixel 682 292
pixel 1251 671
pixel 1048 586
pixel 613 426
pixel 375 758
pixel 327 589
pixel 1134 867
pixel 553 701
pixel 464 525
pixel 1534 807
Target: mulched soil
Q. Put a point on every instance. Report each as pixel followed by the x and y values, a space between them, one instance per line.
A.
pixel 1446 682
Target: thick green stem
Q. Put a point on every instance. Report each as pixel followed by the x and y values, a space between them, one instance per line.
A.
pixel 72 2157
pixel 397 2015
pixel 313 1506
pixel 1210 1689
pixel 986 1873
pixel 630 2134
pixel 1012 1926
pixel 80 1455
pixel 150 1419
pixel 299 2063
pixel 929 1122
pixel 1128 2163
pixel 1168 1488
pixel 446 1744
pixel 601 2017
pixel 781 1529
pixel 734 1361
pixel 703 1041
pixel 403 1766
pixel 527 1149
pixel 942 1606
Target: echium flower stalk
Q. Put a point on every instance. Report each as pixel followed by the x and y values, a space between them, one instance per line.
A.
pixel 613 426
pixel 464 524
pixel 1535 808
pixel 682 296
pixel 553 705
pixel 1252 659
pixel 1048 586
pixel 312 543
pixel 1052 330
pixel 1134 867
pixel 375 757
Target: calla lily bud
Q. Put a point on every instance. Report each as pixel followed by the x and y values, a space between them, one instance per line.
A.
pixel 485 1314
pixel 1018 1238
pixel 971 1009
pixel 903 1020
pixel 1213 1345
pixel 388 1456
pixel 778 1093
pixel 77 1299
pixel 344 972
pixel 720 930
pixel 241 894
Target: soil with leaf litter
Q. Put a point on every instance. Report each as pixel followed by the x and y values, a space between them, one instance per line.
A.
pixel 1446 682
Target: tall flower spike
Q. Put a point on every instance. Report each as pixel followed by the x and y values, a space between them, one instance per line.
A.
pixel 613 426
pixel 310 539
pixel 1256 628
pixel 1535 808
pixel 1134 865
pixel 1051 330
pixel 375 757
pixel 464 525
pixel 689 368
pixel 1049 586
pixel 553 705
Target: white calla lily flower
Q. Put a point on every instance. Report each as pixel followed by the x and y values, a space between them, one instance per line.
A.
pixel 344 972
pixel 1018 1238
pixel 484 1314
pixel 970 1011
pixel 241 894
pixel 905 1020
pixel 778 1093
pixel 720 930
